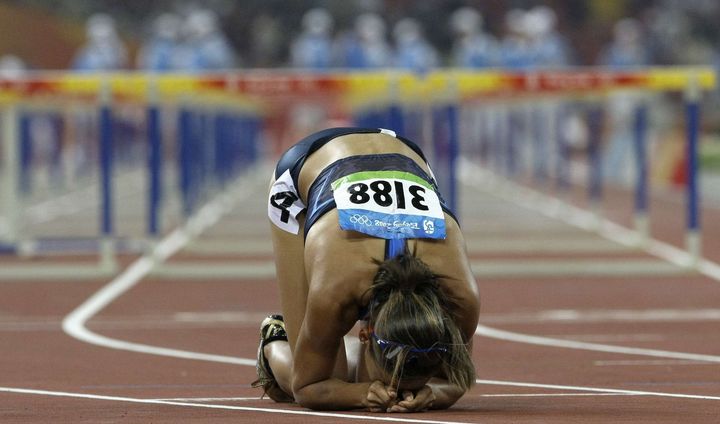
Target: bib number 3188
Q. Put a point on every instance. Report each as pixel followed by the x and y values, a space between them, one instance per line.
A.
pixel 389 204
pixel 385 194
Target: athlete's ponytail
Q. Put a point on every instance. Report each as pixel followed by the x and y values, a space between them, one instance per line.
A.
pixel 413 330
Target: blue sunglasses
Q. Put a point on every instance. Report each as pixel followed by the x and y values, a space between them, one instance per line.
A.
pixel 392 349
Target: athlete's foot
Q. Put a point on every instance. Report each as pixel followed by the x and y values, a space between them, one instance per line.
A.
pixel 271 329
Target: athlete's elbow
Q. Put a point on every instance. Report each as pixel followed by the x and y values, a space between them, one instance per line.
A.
pixel 310 397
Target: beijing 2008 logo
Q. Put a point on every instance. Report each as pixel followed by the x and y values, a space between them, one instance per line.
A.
pixel 360 219
pixel 428 226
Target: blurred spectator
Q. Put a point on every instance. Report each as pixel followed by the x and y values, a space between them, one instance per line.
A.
pixel 267 43
pixel 103 51
pixel 204 46
pixel 11 67
pixel 412 50
pixel 157 54
pixel 366 47
pixel 683 33
pixel 516 50
pixel 472 48
pixel 678 31
pixel 667 30
pixel 628 47
pixel 547 46
pixel 313 48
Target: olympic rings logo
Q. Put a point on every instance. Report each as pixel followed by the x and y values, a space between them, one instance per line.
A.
pixel 360 219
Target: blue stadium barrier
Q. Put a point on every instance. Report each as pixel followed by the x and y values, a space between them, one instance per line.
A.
pixel 641 165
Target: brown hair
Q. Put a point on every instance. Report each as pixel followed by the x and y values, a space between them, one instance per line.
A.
pixel 413 316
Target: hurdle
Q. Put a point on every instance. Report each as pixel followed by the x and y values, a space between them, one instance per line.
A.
pixel 692 106
pixel 586 89
pixel 10 177
pixel 227 148
pixel 198 132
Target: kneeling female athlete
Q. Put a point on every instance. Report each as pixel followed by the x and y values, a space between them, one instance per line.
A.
pixel 339 200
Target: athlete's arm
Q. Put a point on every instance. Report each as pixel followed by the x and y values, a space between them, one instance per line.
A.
pixel 445 393
pixel 438 393
pixel 330 314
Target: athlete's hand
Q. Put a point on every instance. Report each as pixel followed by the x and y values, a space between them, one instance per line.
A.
pixel 422 400
pixel 380 398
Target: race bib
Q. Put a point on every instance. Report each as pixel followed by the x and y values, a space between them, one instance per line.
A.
pixel 284 204
pixel 389 205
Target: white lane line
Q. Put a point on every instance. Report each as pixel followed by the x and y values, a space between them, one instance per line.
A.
pixel 238 245
pixel 660 362
pixel 597 391
pixel 593 389
pixel 573 316
pixel 555 208
pixel 570 316
pixel 571 267
pixel 230 269
pixel 484 268
pixel 611 338
pixel 29 271
pixel 556 394
pixel 571 344
pixel 74 323
pixel 182 320
pixel 227 407
pixel 582 243
pixel 710 269
pixel 220 399
pixel 220 316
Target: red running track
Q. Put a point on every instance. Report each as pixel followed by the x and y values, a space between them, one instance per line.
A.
pixel 48 376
